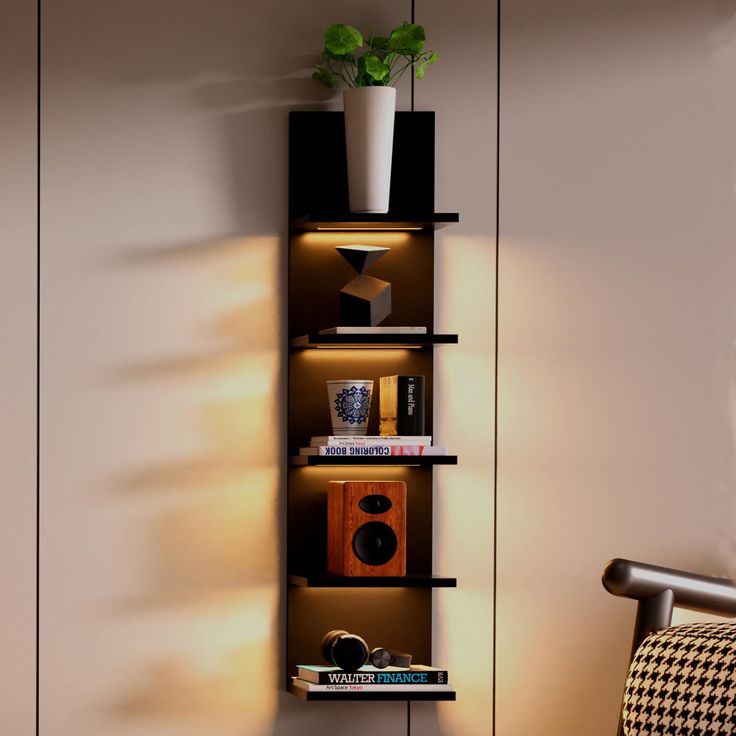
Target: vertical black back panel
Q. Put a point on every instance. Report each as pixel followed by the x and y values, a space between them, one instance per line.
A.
pixel 318 179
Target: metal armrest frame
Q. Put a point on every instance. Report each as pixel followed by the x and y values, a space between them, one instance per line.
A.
pixel 659 589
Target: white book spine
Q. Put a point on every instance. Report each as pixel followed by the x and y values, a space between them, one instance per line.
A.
pixel 379 451
pixel 374 331
pixel 312 687
pixel 367 441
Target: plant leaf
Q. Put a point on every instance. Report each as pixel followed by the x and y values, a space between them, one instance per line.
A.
pixel 361 77
pixel 349 58
pixel 379 42
pixel 407 39
pixel 324 76
pixel 342 39
pixel 429 60
pixel 375 68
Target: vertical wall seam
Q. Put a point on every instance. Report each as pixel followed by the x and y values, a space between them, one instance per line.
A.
pixel 38 361
pixel 496 322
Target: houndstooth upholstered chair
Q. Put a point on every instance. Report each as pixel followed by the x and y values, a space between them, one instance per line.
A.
pixel 682 679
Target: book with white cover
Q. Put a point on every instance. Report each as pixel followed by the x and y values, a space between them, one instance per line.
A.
pixel 392 677
pixel 373 450
pixel 313 688
pixel 366 440
pixel 374 331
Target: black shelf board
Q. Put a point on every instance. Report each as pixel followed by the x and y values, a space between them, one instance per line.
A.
pixel 358 695
pixel 386 340
pixel 325 580
pixel 316 221
pixel 423 461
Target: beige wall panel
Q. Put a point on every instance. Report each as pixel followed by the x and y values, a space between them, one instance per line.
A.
pixel 617 334
pixel 461 88
pixel 18 365
pixel 165 164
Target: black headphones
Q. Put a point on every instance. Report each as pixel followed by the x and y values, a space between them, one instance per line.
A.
pixel 350 652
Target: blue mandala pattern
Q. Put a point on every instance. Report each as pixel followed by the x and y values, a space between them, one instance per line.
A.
pixel 352 404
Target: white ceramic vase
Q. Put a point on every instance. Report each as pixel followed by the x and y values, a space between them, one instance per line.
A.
pixel 369 136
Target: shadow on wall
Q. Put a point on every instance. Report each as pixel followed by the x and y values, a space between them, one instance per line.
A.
pixel 210 523
pixel 205 613
pixel 213 522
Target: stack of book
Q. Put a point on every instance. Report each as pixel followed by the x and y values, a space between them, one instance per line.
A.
pixel 371 446
pixel 374 331
pixel 368 679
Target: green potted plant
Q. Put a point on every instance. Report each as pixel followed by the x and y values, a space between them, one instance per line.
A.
pixel 369 67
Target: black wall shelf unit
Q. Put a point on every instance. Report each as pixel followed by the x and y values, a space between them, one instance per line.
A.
pixel 392 612
pixel 386 340
pixel 348 221
pixel 413 696
pixel 409 581
pixel 423 461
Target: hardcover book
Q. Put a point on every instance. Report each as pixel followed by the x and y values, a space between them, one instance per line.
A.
pixel 401 405
pixel 374 331
pixel 365 440
pixel 372 450
pixel 368 675
pixel 312 688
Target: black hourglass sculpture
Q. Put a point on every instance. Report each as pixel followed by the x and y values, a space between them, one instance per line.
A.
pixel 365 301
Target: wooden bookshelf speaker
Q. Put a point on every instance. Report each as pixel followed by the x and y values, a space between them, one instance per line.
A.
pixel 366 528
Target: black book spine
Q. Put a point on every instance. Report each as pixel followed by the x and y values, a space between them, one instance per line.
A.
pixel 410 409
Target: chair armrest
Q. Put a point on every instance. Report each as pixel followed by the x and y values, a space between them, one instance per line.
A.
pixel 696 592
pixel 658 590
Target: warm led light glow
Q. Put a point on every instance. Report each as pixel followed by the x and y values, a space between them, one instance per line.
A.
pixel 463 639
pixel 390 595
pixel 377 346
pixel 463 514
pixel 386 238
pixel 353 355
pixel 353 472
pixel 369 229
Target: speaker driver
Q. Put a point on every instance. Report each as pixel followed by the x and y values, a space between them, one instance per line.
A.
pixel 375 543
pixel 375 504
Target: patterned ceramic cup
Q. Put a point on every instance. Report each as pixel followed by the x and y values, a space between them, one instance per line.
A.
pixel 350 404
